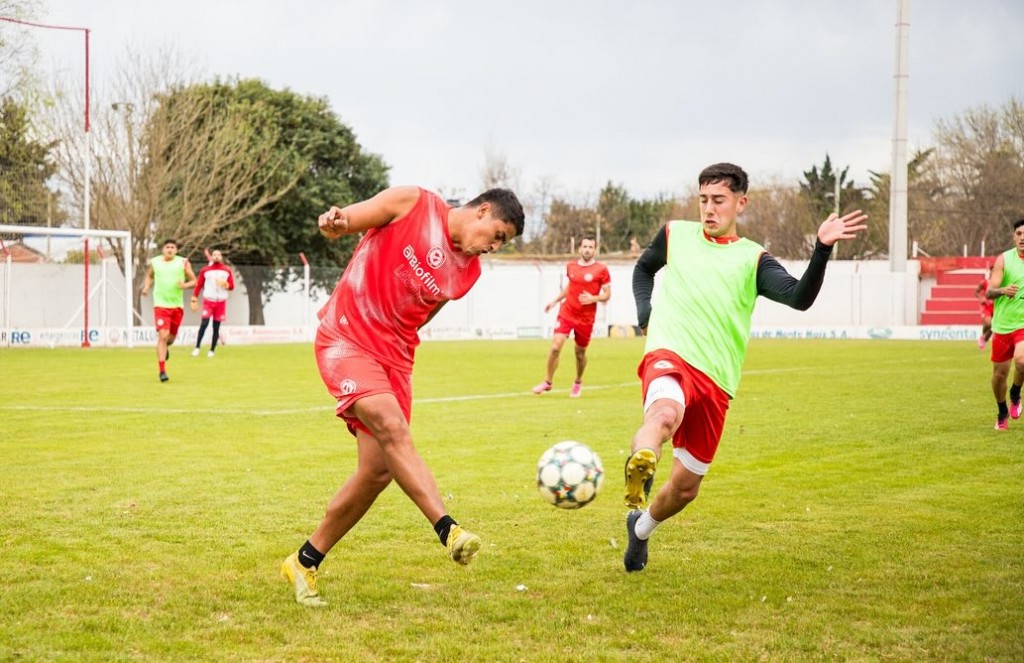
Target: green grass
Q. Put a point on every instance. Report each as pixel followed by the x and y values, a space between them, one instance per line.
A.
pixel 860 508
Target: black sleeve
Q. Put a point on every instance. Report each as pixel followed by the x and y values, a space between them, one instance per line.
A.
pixel 651 260
pixel 775 283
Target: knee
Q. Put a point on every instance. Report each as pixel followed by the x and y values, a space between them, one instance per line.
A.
pixel 664 419
pixel 374 480
pixel 391 430
pixel 683 493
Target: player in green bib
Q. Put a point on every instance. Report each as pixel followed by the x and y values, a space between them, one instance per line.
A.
pixel 1004 287
pixel 168 275
pixel 697 338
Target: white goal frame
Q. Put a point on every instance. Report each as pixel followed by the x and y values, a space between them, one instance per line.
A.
pixel 124 235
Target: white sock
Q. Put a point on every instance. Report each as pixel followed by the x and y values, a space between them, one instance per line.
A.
pixel 645 526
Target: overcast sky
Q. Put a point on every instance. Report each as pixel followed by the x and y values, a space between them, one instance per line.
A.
pixel 642 93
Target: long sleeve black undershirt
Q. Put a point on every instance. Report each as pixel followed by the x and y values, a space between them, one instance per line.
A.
pixel 773 281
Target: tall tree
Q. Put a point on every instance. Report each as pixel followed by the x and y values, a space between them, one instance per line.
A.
pixel 979 165
pixel 170 158
pixel 18 53
pixel 26 165
pixel 332 168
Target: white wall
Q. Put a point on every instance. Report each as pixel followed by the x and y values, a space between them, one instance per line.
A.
pixel 508 300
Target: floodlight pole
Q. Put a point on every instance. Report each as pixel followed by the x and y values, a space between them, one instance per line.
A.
pixel 88 158
pixel 898 181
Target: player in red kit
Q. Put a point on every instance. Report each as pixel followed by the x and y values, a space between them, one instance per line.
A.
pixel 987 309
pixel 215 283
pixel 417 253
pixel 589 283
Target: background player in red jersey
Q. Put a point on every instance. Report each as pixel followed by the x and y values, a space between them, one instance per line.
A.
pixel 588 283
pixel 215 282
pixel 417 253
pixel 987 309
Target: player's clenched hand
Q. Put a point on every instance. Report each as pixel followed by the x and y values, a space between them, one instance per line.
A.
pixel 838 227
pixel 333 223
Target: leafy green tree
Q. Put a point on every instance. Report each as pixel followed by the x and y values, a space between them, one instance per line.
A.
pixel 329 167
pixel 26 165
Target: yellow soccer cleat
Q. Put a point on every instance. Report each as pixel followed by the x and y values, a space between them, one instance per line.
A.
pixel 303 580
pixel 640 468
pixel 462 545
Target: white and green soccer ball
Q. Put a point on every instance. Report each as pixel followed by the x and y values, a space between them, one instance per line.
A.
pixel 569 475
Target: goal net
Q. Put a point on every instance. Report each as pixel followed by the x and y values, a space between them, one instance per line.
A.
pixel 50 302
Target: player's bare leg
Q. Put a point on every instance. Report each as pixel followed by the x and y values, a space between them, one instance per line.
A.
pixel 163 339
pixel 581 366
pixel 681 489
pixel 382 414
pixel 661 420
pixel 553 356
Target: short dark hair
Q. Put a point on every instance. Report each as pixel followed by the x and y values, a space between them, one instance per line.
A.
pixel 506 206
pixel 590 236
pixel 1018 223
pixel 721 172
pixel 170 241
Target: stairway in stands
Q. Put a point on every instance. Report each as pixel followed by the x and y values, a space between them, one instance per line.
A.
pixel 952 300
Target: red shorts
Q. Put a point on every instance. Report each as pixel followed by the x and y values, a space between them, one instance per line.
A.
pixel 216 310
pixel 1003 345
pixel 706 403
pixel 168 318
pixel 581 330
pixel 351 374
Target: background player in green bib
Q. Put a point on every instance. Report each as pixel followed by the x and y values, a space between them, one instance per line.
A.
pixel 1008 326
pixel 697 339
pixel 168 275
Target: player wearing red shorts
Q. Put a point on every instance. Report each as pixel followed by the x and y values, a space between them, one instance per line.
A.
pixel 1004 289
pixel 215 283
pixel 697 339
pixel 588 282
pixel 168 275
pixel 417 253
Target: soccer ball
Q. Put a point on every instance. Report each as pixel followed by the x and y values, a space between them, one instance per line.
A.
pixel 569 475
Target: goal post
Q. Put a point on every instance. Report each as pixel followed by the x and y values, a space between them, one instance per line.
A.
pixel 16 331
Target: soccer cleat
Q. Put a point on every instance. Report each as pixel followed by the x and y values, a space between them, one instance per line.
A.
pixel 195 352
pixel 640 468
pixel 462 545
pixel 1001 423
pixel 163 376
pixel 209 354
pixel 577 389
pixel 303 580
pixel 1015 409
pixel 635 558
pixel 542 387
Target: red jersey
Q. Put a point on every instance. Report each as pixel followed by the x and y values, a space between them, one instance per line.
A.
pixel 206 282
pixel 583 278
pixel 987 305
pixel 398 275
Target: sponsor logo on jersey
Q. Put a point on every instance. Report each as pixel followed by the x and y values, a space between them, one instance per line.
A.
pixel 424 275
pixel 435 257
pixel 347 386
pixel 588 277
pixel 663 365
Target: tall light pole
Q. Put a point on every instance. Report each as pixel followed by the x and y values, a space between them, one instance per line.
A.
pixel 88 158
pixel 898 181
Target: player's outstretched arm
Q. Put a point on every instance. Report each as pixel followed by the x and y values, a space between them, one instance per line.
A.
pixel 385 207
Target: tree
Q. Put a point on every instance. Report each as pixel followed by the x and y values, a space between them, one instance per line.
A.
pixel 979 165
pixel 26 165
pixel 18 53
pixel 170 158
pixel 821 188
pixel 332 170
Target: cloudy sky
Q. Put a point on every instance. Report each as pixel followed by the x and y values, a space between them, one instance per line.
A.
pixel 644 93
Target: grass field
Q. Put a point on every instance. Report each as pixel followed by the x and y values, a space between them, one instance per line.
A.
pixel 860 508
